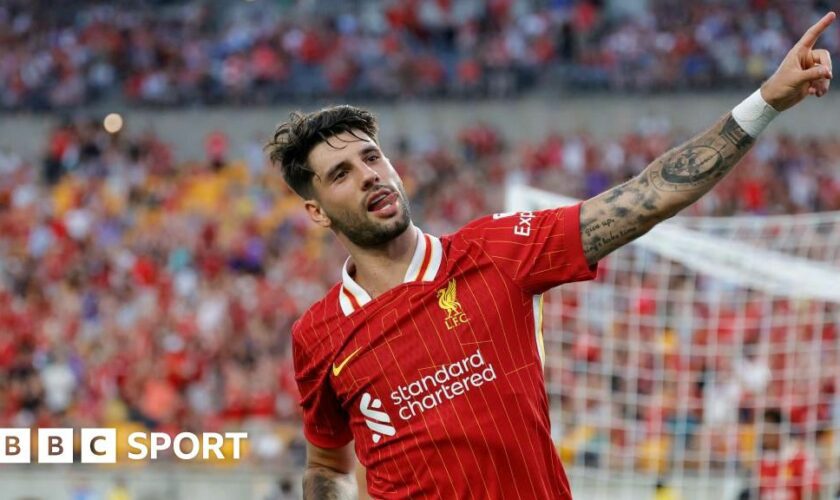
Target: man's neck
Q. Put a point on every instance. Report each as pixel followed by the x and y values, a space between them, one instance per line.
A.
pixel 380 269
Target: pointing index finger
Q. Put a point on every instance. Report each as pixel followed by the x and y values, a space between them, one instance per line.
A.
pixel 814 32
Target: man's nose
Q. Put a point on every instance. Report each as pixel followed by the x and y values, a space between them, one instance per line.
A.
pixel 370 177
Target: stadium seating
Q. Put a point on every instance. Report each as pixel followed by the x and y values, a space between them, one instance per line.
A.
pixel 185 53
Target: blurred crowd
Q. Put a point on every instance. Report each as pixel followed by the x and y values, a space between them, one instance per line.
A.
pixel 55 56
pixel 141 293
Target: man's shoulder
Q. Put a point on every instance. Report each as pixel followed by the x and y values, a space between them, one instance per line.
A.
pixel 319 313
pixel 314 336
pixel 489 228
pixel 469 231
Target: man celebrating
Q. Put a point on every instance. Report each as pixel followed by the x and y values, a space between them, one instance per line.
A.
pixel 428 355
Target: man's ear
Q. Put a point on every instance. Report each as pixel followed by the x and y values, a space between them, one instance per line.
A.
pixel 317 213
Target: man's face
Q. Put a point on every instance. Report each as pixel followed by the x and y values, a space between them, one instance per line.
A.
pixel 357 191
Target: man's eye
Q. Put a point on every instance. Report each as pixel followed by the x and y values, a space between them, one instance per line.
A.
pixel 372 158
pixel 340 175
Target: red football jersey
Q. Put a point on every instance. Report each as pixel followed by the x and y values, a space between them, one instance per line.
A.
pixel 440 379
pixel 793 475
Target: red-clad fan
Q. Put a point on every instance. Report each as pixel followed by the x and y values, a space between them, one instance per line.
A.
pixel 786 471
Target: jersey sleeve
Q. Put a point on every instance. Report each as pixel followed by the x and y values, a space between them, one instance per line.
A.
pixel 325 423
pixel 538 250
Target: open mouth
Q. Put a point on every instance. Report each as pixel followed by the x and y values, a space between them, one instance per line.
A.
pixel 382 201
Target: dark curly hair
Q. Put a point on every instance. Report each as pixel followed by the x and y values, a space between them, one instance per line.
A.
pixel 294 140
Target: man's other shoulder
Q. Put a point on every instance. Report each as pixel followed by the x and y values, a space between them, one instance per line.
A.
pixel 502 226
pixel 321 312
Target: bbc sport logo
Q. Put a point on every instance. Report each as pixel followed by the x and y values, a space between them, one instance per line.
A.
pixel 99 445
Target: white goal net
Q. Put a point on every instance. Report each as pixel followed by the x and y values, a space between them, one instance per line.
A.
pixel 705 354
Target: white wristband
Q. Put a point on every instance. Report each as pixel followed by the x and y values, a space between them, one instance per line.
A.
pixel 754 114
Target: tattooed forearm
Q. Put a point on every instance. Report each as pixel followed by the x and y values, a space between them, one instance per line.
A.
pixel 696 166
pixel 672 182
pixel 320 483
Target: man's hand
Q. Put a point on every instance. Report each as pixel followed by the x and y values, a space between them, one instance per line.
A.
pixel 804 71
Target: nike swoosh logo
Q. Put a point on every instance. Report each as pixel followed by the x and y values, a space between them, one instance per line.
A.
pixel 337 368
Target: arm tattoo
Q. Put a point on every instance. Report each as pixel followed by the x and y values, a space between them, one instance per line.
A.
pixel 321 483
pixel 672 182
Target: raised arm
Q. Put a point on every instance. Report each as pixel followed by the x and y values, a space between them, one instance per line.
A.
pixel 682 175
pixel 672 182
pixel 329 474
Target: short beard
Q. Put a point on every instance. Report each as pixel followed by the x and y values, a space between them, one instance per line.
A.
pixel 367 234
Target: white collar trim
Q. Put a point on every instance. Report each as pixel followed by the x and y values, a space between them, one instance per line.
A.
pixel 424 266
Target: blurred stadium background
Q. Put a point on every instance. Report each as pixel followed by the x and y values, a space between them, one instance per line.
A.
pixel 151 263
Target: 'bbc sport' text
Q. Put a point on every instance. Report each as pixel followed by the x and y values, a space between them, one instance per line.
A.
pixel 99 446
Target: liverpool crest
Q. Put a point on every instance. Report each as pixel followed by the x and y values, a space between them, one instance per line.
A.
pixel 448 301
